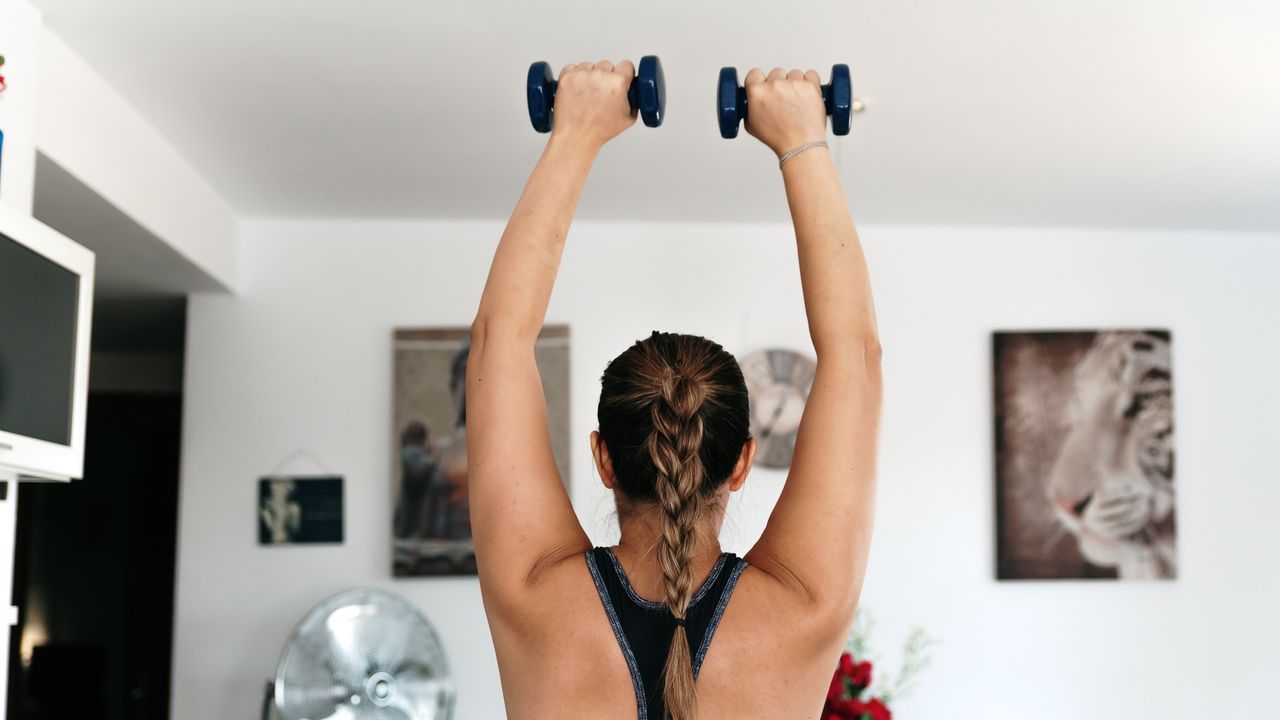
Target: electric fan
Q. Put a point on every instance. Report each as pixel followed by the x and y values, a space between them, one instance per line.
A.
pixel 362 654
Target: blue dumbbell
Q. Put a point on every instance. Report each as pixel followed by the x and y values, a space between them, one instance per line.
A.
pixel 731 101
pixel 648 93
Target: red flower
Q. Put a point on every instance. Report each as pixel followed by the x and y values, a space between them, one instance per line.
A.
pixel 855 709
pixel 837 688
pixel 861 675
pixel 846 709
pixel 877 710
pixel 846 665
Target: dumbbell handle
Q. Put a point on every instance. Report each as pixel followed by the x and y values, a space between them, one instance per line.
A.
pixel 633 94
pixel 742 101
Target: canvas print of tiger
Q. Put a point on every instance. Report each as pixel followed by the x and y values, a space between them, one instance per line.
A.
pixel 1084 455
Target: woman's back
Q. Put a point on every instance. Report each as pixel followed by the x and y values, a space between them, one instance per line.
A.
pixel 768 654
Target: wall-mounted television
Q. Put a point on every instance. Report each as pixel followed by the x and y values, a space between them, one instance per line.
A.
pixel 46 304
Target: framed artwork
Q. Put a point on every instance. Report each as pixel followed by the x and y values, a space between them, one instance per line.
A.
pixel 1084 461
pixel 296 510
pixel 778 383
pixel 431 522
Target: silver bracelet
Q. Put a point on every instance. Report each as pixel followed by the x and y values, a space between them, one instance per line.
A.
pixel 799 149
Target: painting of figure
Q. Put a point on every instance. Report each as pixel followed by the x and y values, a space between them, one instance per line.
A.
pixel 431 526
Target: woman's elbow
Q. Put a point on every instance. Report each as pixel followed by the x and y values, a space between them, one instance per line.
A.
pixel 499 331
pixel 477 331
pixel 872 350
pixel 862 346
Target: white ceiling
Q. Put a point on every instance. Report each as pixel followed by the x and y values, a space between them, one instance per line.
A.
pixel 1149 113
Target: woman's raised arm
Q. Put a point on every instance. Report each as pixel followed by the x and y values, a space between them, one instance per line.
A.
pixel 521 516
pixel 818 536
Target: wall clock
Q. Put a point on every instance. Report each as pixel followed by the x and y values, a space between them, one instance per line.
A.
pixel 778 382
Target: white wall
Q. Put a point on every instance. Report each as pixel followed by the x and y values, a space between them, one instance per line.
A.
pixel 19 28
pixel 301 358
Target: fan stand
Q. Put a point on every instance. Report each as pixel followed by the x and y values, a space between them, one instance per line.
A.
pixel 268 700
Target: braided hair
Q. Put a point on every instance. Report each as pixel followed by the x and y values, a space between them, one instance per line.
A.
pixel 674 416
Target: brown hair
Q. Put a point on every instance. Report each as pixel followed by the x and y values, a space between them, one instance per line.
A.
pixel 674 416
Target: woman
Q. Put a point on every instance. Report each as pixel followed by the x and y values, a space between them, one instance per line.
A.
pixel 625 633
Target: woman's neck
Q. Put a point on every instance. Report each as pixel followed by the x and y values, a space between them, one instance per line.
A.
pixel 637 550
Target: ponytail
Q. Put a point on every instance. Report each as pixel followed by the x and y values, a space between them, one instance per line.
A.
pixel 673 445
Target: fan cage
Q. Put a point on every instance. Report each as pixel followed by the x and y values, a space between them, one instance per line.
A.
pixel 363 654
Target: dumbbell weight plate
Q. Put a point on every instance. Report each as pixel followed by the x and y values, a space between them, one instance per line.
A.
pixel 648 91
pixel 731 105
pixel 540 90
pixel 839 99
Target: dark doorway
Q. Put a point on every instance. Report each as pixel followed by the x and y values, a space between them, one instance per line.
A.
pixel 94 558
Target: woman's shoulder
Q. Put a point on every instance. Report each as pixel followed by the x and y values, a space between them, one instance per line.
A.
pixel 568 586
pixel 763 599
pixel 768 638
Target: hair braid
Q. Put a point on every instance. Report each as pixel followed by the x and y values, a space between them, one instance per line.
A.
pixel 673 446
pixel 674 415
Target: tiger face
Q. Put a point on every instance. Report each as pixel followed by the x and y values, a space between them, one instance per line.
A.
pixel 1111 484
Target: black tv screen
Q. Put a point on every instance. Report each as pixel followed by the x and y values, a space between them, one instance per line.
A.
pixel 38 303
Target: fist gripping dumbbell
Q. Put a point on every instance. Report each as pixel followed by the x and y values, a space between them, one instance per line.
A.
pixel 731 101
pixel 648 93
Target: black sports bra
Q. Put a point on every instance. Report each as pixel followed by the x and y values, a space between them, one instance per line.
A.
pixel 644 628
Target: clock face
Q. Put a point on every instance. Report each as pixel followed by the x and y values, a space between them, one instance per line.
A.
pixel 778 382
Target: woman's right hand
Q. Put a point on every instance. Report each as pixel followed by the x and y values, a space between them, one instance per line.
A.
pixel 785 109
pixel 591 101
